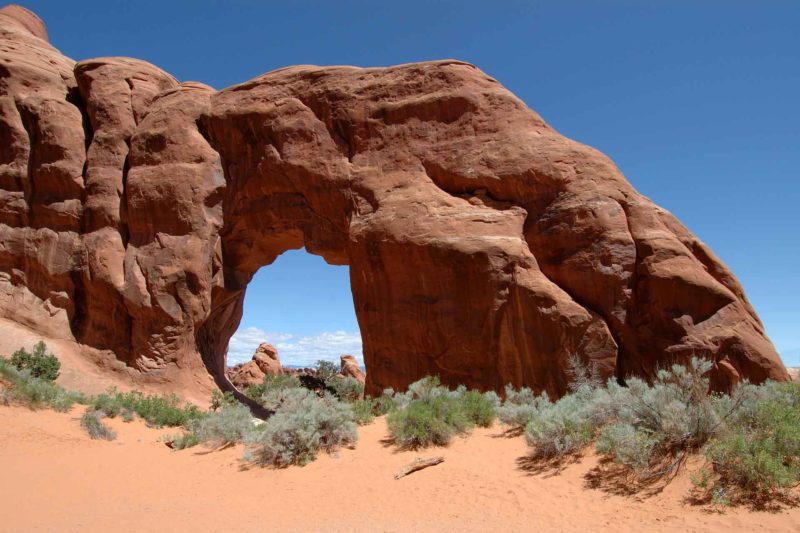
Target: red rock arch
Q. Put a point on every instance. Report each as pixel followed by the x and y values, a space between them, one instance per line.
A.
pixel 483 246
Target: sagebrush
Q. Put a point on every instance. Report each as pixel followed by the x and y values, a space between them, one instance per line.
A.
pixel 751 436
pixel 303 425
pixel 92 422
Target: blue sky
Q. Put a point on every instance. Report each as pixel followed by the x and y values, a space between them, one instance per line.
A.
pixel 696 102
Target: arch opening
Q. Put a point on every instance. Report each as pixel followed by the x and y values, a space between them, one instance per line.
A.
pixel 301 305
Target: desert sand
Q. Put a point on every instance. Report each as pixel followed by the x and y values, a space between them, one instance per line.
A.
pixel 57 479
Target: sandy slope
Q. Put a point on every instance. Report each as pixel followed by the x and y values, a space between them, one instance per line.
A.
pixel 54 478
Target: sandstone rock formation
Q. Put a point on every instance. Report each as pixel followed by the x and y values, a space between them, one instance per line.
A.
pixel 349 368
pixel 265 361
pixel 483 246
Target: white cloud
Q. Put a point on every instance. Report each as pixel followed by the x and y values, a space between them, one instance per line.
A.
pixel 293 349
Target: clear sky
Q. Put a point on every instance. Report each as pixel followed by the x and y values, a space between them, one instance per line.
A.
pixel 698 102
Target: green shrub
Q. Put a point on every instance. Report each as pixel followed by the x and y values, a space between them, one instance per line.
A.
pixel 480 408
pixel 757 454
pixel 428 422
pixel 36 392
pixel 109 403
pixel 221 399
pixel 182 441
pixel 325 370
pixel 156 410
pixel 92 422
pixel 41 364
pixel 384 403
pixel 429 414
pixel 418 425
pixel 303 425
pixel 164 410
pixel 363 411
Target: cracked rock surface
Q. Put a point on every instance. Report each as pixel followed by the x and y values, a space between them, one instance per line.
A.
pixel 483 246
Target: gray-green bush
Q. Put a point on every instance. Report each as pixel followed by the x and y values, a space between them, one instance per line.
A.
pixel 229 425
pixel 92 422
pixel 270 386
pixel 750 437
pixel 656 425
pixel 346 388
pixel 303 425
pixel 518 408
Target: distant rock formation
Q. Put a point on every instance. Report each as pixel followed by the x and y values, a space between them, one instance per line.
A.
pixel 265 361
pixel 483 246
pixel 349 368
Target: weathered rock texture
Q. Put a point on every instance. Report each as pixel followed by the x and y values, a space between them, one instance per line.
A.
pixel 265 361
pixel 349 368
pixel 483 246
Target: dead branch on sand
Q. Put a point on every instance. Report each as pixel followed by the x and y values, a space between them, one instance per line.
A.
pixel 418 464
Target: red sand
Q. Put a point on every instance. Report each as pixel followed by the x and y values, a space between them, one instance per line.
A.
pixel 56 479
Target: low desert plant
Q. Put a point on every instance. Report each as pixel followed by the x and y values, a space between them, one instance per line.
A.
pixel 384 403
pixel 38 362
pixel 756 455
pixel 363 411
pixel 182 441
pixel 156 410
pixel 518 408
pixel 751 437
pixel 92 422
pixel 424 423
pixel 33 392
pixel 346 388
pixel 480 408
pixel 430 414
pixel 221 399
pixel 270 386
pixel 325 370
pixel 303 425
pixel 229 425
pixel 656 425
pixel 560 428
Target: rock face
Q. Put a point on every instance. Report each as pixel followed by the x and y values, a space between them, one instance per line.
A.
pixel 483 246
pixel 265 361
pixel 349 368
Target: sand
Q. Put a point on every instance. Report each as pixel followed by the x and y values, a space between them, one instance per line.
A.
pixel 54 478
